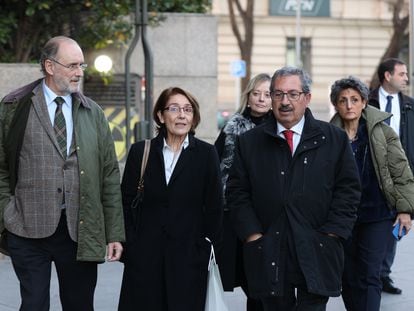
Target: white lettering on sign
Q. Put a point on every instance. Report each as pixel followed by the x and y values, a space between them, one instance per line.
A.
pixel 307 5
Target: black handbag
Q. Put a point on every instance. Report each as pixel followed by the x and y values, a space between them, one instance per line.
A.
pixel 136 203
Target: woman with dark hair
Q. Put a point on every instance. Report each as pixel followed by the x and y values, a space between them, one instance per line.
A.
pixel 255 104
pixel 167 255
pixel 387 191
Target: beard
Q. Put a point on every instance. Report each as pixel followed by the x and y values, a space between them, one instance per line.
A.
pixel 69 86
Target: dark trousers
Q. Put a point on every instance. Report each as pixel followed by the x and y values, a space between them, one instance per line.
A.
pixel 251 303
pixel 389 256
pixel 364 252
pixel 32 262
pixel 302 301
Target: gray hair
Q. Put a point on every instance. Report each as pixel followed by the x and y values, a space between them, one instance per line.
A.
pixel 350 82
pixel 293 71
pixel 51 49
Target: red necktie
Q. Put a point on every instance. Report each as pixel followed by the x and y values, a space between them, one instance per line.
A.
pixel 289 138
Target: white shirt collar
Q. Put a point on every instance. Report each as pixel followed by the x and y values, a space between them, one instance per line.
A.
pixel 50 95
pixel 384 93
pixel 184 144
pixel 297 128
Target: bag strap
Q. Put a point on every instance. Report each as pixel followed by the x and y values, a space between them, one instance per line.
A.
pixel 144 163
pixel 212 260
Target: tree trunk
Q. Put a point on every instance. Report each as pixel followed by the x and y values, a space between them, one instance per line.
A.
pixel 245 44
pixel 397 40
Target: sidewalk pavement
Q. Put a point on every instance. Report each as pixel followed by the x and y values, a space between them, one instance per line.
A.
pixel 110 275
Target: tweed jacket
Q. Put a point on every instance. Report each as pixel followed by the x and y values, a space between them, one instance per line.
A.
pixel 99 218
pixel 35 195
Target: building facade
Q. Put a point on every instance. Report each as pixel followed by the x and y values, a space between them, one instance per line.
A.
pixel 338 38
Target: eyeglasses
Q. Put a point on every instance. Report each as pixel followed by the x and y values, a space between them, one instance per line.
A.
pixel 176 109
pixel 291 95
pixel 71 67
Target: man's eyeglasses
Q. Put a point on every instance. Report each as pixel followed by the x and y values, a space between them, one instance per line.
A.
pixel 177 109
pixel 71 67
pixel 291 95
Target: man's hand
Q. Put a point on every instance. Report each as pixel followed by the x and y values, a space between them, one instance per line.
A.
pixel 114 251
pixel 254 237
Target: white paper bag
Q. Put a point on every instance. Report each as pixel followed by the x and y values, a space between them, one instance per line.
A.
pixel 215 292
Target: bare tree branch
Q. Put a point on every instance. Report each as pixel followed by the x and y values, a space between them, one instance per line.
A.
pixel 246 43
pixel 398 38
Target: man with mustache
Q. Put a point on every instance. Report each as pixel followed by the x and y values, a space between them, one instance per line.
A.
pixel 293 191
pixel 393 77
pixel 60 198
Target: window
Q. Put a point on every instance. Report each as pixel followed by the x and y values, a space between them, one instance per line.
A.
pixel 305 53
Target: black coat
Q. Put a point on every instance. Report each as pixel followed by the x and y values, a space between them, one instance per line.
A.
pixel 406 121
pixel 301 198
pixel 168 256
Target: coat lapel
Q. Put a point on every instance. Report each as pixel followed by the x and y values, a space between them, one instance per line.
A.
pixel 183 160
pixel 40 108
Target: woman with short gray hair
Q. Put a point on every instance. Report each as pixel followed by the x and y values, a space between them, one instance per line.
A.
pixel 387 185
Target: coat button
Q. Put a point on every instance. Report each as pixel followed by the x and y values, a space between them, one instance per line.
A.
pixel 272 293
pixel 273 263
pixel 320 244
pixel 59 190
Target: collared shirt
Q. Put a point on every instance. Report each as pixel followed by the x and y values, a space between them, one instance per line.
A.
pixel 171 157
pixel 296 129
pixel 395 108
pixel 66 109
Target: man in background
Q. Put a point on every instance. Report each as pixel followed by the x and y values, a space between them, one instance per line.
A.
pixel 393 77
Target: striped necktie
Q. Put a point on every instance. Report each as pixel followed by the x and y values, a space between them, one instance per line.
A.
pixel 60 126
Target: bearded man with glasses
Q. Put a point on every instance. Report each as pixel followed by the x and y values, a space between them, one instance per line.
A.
pixel 292 192
pixel 60 198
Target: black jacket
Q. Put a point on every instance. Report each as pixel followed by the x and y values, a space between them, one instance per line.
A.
pixel 169 254
pixel 406 122
pixel 301 198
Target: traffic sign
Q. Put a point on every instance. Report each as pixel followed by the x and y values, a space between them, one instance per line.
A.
pixel 238 68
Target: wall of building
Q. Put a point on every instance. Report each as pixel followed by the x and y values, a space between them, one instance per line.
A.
pixel 350 41
pixel 14 76
pixel 184 50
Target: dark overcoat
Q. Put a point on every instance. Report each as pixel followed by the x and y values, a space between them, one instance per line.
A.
pixel 314 193
pixel 166 260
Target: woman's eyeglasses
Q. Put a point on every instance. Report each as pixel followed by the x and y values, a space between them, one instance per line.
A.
pixel 177 109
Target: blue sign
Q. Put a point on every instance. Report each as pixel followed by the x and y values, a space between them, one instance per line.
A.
pixel 238 68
